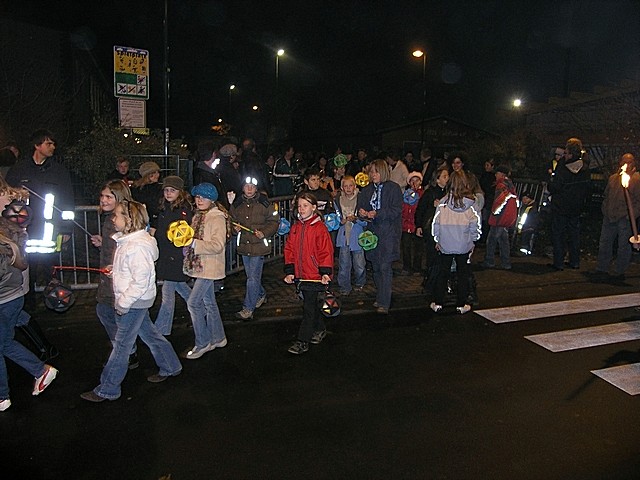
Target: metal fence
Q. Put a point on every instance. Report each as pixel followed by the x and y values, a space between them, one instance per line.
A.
pixel 79 251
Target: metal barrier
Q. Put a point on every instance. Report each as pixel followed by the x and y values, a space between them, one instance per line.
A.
pixel 80 252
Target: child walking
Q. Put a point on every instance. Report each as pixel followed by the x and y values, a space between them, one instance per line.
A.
pixel 134 287
pixel 13 284
pixel 204 260
pixel 455 228
pixel 175 207
pixel 254 211
pixel 350 254
pixel 111 193
pixel 308 255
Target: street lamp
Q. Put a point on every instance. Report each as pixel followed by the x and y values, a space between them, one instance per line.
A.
pixel 421 54
pixel 279 53
pixel 231 88
pixel 517 102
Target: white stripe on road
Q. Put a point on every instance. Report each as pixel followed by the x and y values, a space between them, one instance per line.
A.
pixel 625 377
pixel 556 309
pixel 587 337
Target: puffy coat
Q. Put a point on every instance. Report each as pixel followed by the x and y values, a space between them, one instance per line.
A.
pixel 308 253
pixel 134 274
pixel 256 213
pixel 456 228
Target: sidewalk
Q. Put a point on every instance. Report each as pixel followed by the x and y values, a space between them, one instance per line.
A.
pixel 530 280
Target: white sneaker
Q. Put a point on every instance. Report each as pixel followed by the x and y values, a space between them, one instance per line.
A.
pixel 4 404
pixel 44 380
pixel 220 344
pixel 463 310
pixel 435 307
pixel 261 301
pixel 197 352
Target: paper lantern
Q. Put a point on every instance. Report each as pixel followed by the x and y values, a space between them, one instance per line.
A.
pixel 362 179
pixel 284 226
pixel 330 305
pixel 19 212
pixel 368 240
pixel 410 196
pixel 332 221
pixel 180 233
pixel 58 297
pixel 340 160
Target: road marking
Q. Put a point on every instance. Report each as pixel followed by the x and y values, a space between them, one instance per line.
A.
pixel 555 309
pixel 625 377
pixel 587 337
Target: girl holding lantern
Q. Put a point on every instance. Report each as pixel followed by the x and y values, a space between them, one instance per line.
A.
pixel 175 213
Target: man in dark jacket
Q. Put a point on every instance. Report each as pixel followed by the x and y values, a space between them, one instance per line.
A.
pixel 42 174
pixel 570 186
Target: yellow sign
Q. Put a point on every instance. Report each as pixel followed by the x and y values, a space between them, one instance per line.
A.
pixel 131 72
pixel 130 60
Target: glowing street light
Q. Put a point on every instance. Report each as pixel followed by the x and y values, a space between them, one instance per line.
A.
pixel 279 53
pixel 421 54
pixel 231 88
pixel 517 102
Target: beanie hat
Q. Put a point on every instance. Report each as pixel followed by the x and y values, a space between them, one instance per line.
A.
pixel 412 175
pixel 503 169
pixel 148 168
pixel 228 150
pixel 205 190
pixel 173 181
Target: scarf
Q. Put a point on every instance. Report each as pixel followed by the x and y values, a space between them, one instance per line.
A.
pixel 376 198
pixel 193 262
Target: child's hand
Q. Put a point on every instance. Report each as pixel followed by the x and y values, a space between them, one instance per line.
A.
pixel 108 271
pixel 325 279
pixel 288 279
pixel 419 232
pixel 96 240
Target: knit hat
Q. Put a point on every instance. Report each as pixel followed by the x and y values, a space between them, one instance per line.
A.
pixel 148 168
pixel 205 190
pixel 503 169
pixel 173 181
pixel 227 151
pixel 413 175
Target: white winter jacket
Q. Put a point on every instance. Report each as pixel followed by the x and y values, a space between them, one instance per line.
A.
pixel 134 273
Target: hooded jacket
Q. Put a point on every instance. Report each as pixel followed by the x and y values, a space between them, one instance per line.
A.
pixel 570 186
pixel 256 213
pixel 456 228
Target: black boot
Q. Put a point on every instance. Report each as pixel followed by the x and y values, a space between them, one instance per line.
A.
pixel 46 351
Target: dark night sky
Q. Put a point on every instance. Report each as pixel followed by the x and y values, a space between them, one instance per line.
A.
pixel 348 65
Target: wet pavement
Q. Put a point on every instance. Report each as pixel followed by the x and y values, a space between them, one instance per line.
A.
pixel 405 395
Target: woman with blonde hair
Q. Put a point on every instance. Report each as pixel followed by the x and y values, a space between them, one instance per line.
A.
pixel 380 205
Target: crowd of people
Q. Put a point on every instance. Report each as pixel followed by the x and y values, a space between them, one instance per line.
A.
pixel 425 213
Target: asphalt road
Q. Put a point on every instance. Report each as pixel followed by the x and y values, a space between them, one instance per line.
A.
pixel 409 395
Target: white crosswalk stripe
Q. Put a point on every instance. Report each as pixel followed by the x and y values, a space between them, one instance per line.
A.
pixel 624 377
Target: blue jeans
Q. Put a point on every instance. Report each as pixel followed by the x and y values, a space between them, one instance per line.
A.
pixel 383 278
pixel 12 349
pixel 498 236
pixel 205 316
pixel 620 230
pixel 255 290
pixel 565 226
pixel 129 326
pixel 346 260
pixel 107 316
pixel 164 320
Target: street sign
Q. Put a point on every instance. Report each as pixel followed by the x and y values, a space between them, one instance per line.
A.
pixel 131 72
pixel 132 113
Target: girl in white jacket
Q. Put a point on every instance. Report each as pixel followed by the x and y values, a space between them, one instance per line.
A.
pixel 134 286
